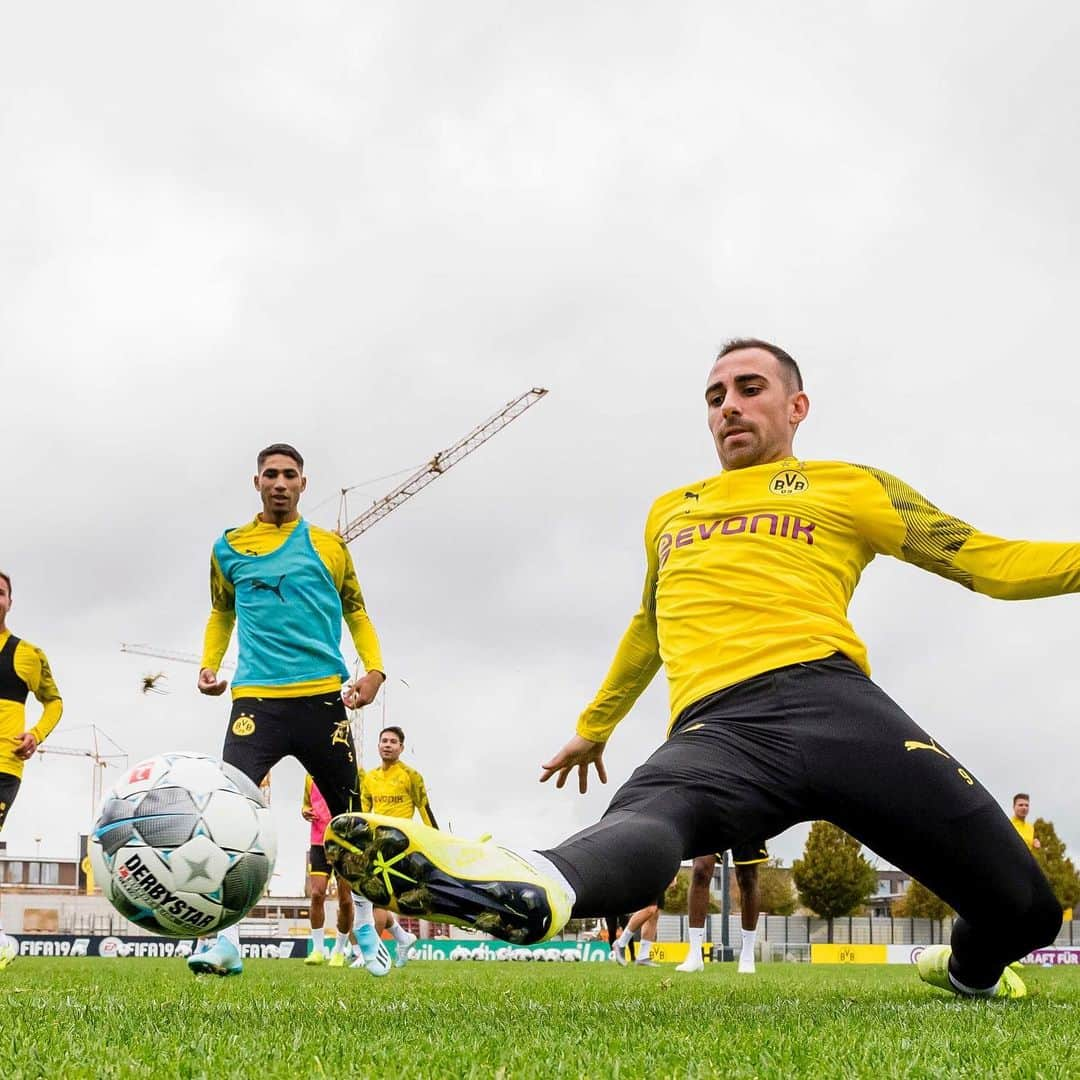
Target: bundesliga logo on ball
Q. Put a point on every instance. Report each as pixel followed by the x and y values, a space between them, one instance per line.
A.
pixel 184 845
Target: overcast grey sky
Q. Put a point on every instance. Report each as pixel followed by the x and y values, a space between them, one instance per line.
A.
pixel 362 228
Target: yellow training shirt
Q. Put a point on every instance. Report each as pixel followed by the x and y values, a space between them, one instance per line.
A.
pixel 1026 830
pixel 753 569
pixel 260 538
pixel 396 792
pixel 32 668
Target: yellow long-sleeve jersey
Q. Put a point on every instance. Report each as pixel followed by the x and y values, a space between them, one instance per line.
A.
pixel 24 670
pixel 1026 829
pixel 753 569
pixel 397 792
pixel 261 538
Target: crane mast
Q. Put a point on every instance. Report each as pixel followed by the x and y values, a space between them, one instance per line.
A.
pixel 442 461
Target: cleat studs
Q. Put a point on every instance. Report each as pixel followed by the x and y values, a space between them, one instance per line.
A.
pixel 390 842
pixel 414 902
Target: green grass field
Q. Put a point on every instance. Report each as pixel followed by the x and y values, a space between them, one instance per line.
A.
pixel 140 1017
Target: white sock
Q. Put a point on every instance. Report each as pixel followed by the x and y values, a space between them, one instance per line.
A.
pixel 697 938
pixel 970 990
pixel 365 913
pixel 546 866
pixel 341 942
pixel 231 934
pixel 624 939
pixel 644 951
pixel 748 939
pixel 318 939
pixel 401 935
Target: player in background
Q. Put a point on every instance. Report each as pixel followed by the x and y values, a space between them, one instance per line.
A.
pixel 647 920
pixel 287 585
pixel 315 811
pixel 24 670
pixel 1019 819
pixel 774 719
pixel 397 790
pixel 614 922
pixel 747 858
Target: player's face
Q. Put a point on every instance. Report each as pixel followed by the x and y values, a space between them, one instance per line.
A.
pixel 1021 808
pixel 390 747
pixel 752 411
pixel 279 484
pixel 5 600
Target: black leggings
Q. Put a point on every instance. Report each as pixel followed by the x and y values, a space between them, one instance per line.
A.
pixel 816 741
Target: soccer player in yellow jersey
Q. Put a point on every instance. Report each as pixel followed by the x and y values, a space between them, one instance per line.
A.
pixel 1021 806
pixel 774 719
pixel 24 670
pixel 287 585
pixel 395 790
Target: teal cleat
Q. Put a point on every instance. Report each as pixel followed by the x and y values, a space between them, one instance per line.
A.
pixel 222 958
pixel 401 949
pixel 374 956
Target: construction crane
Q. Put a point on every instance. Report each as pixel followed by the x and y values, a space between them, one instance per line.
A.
pixel 169 654
pixel 116 758
pixel 443 460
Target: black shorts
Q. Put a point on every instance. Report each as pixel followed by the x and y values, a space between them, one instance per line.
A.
pixel 9 788
pixel 749 854
pixel 314 730
pixel 317 863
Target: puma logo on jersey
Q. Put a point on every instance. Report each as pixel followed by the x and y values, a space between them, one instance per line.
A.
pixel 690 495
pixel 258 584
pixel 914 744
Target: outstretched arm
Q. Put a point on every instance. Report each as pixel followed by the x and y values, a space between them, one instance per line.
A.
pixel 897 520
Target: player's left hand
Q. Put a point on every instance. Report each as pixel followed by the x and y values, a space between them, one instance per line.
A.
pixel 578 753
pixel 357 694
pixel 27 744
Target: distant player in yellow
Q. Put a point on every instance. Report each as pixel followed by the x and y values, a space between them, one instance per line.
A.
pixel 24 670
pixel 396 790
pixel 1021 806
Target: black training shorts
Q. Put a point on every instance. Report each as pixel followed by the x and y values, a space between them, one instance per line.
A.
pixel 314 730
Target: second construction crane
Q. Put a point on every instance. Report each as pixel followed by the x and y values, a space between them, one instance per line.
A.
pixel 443 460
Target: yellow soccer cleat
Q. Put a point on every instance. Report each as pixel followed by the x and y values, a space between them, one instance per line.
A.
pixel 933 967
pixel 403 865
pixel 315 958
pixel 337 959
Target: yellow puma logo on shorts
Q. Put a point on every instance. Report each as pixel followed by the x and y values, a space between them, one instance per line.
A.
pixel 914 744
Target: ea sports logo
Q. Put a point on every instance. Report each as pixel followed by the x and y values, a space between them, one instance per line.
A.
pixel 243 725
pixel 789 482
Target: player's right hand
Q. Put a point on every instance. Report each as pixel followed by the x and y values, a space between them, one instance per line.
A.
pixel 578 753
pixel 307 813
pixel 209 683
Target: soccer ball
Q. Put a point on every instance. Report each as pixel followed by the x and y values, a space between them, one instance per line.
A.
pixel 183 845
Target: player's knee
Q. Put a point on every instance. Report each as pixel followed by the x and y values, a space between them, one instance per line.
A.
pixel 318 887
pixel 701 877
pixel 1042 921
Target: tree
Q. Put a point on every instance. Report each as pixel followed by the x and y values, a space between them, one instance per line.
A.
pixel 920 903
pixel 832 876
pixel 1060 871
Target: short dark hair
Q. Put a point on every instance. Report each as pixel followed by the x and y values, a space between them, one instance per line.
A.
pixel 787 361
pixel 1021 795
pixel 282 448
pixel 8 580
pixel 394 730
